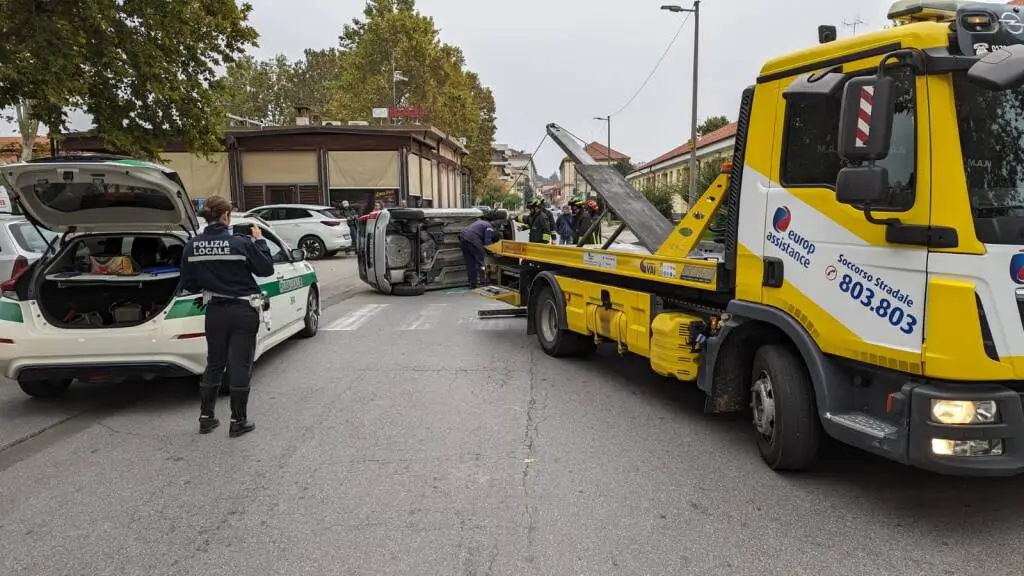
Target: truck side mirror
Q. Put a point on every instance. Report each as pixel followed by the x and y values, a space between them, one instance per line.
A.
pixel 865 120
pixel 862 185
pixel 999 70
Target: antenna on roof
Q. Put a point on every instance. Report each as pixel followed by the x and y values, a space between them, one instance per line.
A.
pixel 853 24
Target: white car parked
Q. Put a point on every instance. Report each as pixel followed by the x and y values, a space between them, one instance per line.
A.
pixel 319 230
pixel 79 314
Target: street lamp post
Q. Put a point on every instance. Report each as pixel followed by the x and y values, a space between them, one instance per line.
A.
pixel 693 120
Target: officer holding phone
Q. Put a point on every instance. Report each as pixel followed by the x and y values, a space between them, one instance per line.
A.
pixel 221 266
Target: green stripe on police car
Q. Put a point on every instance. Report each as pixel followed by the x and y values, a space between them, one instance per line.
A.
pixel 186 307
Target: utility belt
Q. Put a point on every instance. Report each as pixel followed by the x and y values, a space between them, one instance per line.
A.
pixel 258 301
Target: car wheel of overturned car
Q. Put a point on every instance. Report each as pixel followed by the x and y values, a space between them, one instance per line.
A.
pixel 313 246
pixel 408 289
pixel 783 410
pixel 555 341
pixel 44 388
pixel 311 321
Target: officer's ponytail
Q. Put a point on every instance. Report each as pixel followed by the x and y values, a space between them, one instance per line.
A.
pixel 215 208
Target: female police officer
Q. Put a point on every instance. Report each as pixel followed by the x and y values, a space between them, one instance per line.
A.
pixel 222 265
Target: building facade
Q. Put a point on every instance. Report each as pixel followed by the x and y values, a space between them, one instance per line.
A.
pixel 673 167
pixel 418 165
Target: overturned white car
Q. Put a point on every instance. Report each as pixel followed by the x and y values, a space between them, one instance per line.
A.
pixel 407 251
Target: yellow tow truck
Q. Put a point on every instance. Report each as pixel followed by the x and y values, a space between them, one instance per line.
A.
pixel 869 280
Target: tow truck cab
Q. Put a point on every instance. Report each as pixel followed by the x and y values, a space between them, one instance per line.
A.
pixel 871 279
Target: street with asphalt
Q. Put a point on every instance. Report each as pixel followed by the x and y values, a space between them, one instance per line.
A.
pixel 411 437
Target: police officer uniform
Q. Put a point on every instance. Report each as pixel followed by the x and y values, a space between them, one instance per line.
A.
pixel 221 266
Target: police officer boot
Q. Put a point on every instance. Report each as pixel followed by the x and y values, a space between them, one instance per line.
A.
pixel 207 402
pixel 239 423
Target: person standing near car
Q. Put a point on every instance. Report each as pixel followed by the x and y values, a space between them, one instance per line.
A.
pixel 563 226
pixel 472 240
pixel 221 266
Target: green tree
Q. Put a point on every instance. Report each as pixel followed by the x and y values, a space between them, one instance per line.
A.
pixel 711 124
pixel 146 71
pixel 259 89
pixel 662 196
pixel 394 36
pixel 624 167
pixel 490 192
pixel 511 201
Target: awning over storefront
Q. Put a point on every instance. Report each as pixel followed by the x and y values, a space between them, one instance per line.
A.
pixel 202 177
pixel 299 167
pixel 362 169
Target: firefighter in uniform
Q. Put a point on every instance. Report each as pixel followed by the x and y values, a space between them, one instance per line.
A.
pixel 221 266
pixel 537 222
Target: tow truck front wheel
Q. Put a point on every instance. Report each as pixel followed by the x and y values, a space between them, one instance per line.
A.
pixel 555 341
pixel 782 406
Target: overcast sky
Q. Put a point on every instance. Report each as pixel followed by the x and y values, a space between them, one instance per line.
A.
pixel 566 61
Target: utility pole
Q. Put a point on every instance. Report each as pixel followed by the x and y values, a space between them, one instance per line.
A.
pixel 693 113
pixel 853 24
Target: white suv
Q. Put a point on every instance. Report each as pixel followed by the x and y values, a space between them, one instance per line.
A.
pixel 319 230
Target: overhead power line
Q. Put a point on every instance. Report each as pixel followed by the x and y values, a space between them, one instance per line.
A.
pixel 656 66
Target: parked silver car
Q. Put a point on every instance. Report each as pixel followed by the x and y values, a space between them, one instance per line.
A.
pixel 21 243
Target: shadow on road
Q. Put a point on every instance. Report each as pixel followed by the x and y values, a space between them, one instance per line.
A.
pixel 848 473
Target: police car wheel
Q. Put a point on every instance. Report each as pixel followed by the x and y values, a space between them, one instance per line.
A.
pixel 313 246
pixel 311 321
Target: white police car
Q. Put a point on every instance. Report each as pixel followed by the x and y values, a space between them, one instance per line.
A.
pixel 105 303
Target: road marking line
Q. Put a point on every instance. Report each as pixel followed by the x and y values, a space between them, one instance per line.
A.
pixel 425 320
pixel 356 318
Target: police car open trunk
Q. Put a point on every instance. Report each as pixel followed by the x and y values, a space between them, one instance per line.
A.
pixel 124 223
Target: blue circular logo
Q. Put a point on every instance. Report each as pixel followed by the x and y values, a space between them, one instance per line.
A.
pixel 781 219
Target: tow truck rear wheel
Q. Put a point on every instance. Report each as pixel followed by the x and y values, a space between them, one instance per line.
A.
pixel 782 406
pixel 555 341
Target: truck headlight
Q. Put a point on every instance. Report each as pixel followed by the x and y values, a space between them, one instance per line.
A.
pixel 964 411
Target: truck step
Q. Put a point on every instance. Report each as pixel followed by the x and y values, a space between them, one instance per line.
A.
pixel 502 313
pixel 874 427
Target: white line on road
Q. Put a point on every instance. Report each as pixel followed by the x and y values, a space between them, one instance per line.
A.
pixel 356 318
pixel 425 320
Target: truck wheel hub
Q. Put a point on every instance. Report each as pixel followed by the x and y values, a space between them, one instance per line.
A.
pixel 763 405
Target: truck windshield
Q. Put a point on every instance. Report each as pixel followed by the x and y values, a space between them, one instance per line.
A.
pixel 992 144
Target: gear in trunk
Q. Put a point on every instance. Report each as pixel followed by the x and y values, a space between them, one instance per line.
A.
pixel 112 281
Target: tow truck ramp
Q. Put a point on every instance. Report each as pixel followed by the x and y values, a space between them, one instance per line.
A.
pixel 649 226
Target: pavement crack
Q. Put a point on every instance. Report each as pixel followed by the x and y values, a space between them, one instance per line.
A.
pixel 530 435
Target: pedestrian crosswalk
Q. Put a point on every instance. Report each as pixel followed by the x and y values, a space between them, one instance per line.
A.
pixel 405 318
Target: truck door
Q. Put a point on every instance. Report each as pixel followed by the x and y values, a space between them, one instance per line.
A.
pixel 858 295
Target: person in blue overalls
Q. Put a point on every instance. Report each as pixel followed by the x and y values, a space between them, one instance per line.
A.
pixel 221 266
pixel 472 240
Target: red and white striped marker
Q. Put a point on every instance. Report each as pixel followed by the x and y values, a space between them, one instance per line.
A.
pixel 867 94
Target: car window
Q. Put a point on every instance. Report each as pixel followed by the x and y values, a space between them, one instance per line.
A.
pixel 269 214
pixel 277 251
pixel 29 238
pixel 294 213
pixel 75 196
pixel 812 131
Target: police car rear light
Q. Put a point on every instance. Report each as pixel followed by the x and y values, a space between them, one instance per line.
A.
pixel 330 222
pixel 8 287
pixel 190 336
pixel 6 341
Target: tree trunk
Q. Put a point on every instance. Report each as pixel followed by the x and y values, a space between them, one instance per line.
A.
pixel 28 127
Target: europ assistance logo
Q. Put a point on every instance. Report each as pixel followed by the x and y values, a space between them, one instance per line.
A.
pixel 789 241
pixel 1017 268
pixel 782 219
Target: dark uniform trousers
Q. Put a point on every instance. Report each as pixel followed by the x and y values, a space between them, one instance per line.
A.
pixel 231 330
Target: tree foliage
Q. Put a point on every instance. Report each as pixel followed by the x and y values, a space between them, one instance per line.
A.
pixel 144 70
pixel 394 36
pixel 711 124
pixel 269 90
pixel 624 167
pixel 662 196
